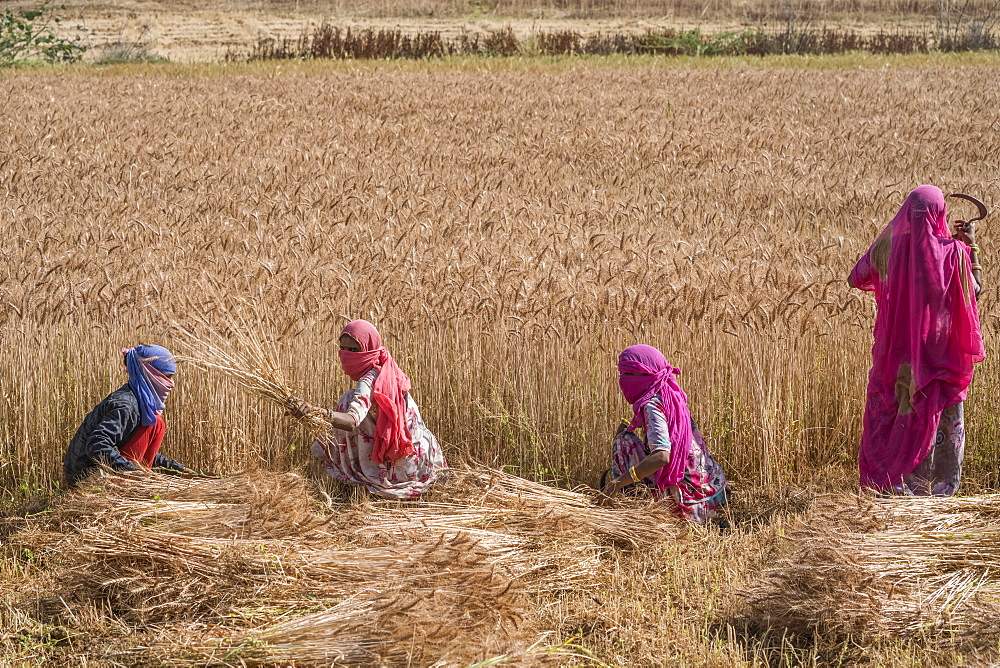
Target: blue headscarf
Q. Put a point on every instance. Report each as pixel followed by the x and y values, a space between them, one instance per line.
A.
pixel 148 367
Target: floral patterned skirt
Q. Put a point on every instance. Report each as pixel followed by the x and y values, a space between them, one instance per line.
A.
pixel 347 457
pixel 941 470
pixel 702 492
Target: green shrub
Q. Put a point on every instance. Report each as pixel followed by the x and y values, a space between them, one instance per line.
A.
pixel 27 36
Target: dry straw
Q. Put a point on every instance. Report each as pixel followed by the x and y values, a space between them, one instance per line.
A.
pixel 906 567
pixel 273 575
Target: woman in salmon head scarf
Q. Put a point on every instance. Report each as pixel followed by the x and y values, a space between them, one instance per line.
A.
pixel 927 340
pixel 671 458
pixel 126 429
pixel 379 439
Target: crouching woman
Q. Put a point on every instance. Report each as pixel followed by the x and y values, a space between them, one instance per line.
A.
pixel 126 429
pixel 379 439
pixel 671 457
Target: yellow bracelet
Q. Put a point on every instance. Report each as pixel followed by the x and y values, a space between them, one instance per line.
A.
pixel 977 267
pixel 631 472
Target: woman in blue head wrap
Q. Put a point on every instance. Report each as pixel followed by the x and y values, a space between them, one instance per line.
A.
pixel 125 430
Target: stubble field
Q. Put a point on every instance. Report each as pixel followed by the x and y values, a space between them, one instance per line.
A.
pixel 509 227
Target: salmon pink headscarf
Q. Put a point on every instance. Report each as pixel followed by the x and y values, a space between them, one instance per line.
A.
pixel 656 377
pixel 927 336
pixel 392 436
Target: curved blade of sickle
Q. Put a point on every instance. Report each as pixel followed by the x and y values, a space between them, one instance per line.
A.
pixel 979 205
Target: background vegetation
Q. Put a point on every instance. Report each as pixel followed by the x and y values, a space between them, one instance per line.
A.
pixel 28 36
pixel 328 41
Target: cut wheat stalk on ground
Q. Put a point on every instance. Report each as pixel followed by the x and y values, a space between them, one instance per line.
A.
pixel 906 567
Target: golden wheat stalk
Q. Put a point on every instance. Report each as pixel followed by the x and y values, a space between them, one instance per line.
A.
pixel 252 362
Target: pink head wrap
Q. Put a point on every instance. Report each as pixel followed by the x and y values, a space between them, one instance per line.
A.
pixel 657 378
pixel 392 436
pixel 927 336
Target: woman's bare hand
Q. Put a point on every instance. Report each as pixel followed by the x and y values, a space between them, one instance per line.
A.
pixel 297 408
pixel 608 492
pixel 965 232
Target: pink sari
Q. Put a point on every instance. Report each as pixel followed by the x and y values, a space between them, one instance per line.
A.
pixel 927 336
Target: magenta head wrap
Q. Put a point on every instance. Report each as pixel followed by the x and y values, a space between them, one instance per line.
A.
pixel 656 377
pixel 927 336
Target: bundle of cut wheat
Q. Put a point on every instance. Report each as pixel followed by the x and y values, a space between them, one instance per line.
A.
pixel 549 510
pixel 393 626
pixel 625 528
pixel 237 488
pixel 250 360
pixel 900 566
pixel 373 579
pixel 259 504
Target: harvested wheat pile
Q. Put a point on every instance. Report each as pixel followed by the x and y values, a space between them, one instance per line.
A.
pixel 264 505
pixel 486 502
pixel 899 567
pixel 254 569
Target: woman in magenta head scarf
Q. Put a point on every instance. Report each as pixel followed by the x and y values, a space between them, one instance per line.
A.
pixel 379 438
pixel 926 341
pixel 671 457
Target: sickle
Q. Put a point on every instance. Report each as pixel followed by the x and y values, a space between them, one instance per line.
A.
pixel 979 205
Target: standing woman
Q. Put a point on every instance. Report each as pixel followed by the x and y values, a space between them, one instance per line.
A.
pixel 379 439
pixel 125 430
pixel 927 340
pixel 671 458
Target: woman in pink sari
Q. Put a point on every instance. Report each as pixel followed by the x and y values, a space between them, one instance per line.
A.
pixel 379 439
pixel 927 340
pixel 671 458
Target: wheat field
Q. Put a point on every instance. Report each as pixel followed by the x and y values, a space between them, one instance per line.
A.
pixel 510 227
pixel 509 231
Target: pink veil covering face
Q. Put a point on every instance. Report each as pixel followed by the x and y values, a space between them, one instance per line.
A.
pixel 926 335
pixel 392 435
pixel 657 377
